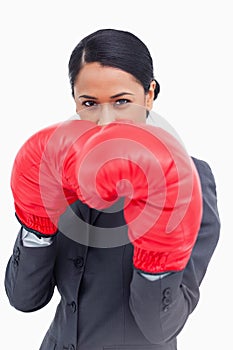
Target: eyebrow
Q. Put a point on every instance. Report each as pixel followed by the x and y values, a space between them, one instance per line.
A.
pixel 114 96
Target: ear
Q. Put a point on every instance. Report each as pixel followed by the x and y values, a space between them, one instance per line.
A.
pixel 150 95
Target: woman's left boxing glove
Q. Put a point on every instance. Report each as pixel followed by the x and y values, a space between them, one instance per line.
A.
pixel 40 190
pixel 161 186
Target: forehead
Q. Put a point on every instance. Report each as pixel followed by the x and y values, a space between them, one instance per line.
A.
pixel 94 76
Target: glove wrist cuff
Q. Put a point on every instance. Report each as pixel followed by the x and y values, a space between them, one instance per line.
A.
pixel 155 262
pixel 41 226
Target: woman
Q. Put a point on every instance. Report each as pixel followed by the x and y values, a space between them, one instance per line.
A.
pixel 107 302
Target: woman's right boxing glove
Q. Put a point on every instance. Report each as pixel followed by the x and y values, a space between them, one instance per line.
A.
pixel 40 191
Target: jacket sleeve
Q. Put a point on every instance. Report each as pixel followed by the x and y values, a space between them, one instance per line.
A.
pixel 29 281
pixel 162 307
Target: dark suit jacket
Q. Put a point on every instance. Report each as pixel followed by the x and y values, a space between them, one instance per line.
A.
pixel 105 303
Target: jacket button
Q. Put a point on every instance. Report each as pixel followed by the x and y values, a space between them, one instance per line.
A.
pixel 15 262
pixel 167 292
pixel 71 347
pixel 166 301
pixel 16 252
pixel 73 306
pixel 79 262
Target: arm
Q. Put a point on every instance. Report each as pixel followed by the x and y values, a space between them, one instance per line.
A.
pixel 164 213
pixel 41 194
pixel 169 301
pixel 29 280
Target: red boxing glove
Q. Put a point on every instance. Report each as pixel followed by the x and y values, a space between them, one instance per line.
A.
pixel 41 191
pixel 163 205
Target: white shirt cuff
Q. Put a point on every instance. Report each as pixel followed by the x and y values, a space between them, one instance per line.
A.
pixel 29 239
pixel 154 277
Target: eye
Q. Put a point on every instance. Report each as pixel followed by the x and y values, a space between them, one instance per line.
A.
pixel 89 103
pixel 122 101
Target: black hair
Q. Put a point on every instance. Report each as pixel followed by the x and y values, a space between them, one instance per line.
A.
pixel 114 48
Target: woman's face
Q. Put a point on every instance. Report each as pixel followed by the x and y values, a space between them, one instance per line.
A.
pixel 106 94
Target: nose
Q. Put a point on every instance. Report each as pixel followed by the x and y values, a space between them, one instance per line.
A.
pixel 107 114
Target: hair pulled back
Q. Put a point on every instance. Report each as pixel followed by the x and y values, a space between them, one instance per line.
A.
pixel 114 48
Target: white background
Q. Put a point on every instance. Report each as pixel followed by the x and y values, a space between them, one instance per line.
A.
pixel 191 43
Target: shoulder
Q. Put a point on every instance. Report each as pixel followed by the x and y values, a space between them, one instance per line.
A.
pixel 201 165
pixel 209 192
pixel 204 170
